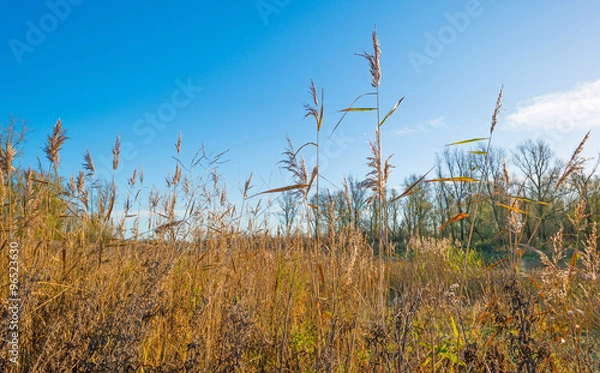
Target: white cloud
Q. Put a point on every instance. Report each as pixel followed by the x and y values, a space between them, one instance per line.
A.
pixel 574 110
pixel 423 127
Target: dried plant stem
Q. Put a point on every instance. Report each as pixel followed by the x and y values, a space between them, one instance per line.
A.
pixel 381 223
pixel 480 187
pixel 377 177
pixel 318 204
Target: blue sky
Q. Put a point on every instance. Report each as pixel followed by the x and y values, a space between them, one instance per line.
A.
pixel 235 74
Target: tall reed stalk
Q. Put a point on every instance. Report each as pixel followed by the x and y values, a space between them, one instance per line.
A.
pixel 315 110
pixel 52 149
pixel 380 168
pixel 484 171
pixel 10 141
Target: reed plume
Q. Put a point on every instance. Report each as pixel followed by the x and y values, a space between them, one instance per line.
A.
pixel 88 163
pixel 54 144
pixel 316 111
pixel 116 150
pixel 7 155
pixel 373 60
pixel 296 167
pixel 10 141
pixel 133 178
pixel 178 144
pixel 575 163
pixel 496 111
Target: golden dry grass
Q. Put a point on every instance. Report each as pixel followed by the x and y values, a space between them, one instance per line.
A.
pixel 260 303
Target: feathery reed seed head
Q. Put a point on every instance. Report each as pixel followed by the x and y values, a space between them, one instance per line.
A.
pixel 247 186
pixel 80 182
pixel 506 175
pixel 296 168
pixel 29 180
pixel 7 156
pixel 88 163
pixel 54 144
pixel 132 180
pixel 10 139
pixel 496 111
pixel 116 153
pixel 177 176
pixel 575 163
pixel 373 60
pixel 72 188
pixel 315 110
pixel 178 144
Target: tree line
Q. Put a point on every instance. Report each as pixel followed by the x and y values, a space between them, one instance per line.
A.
pixel 521 188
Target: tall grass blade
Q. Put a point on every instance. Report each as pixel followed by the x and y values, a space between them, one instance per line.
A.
pixel 346 111
pixel 411 187
pixel 462 142
pixel 512 208
pixel 361 109
pixel 303 146
pixel 455 218
pixel 313 176
pixel 282 189
pixel 524 199
pixel 389 114
pixel 464 179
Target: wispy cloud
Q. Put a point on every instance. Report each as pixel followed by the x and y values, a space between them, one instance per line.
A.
pixel 423 127
pixel 576 109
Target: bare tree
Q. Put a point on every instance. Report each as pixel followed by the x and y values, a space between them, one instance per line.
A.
pixel 540 171
pixel 356 195
pixel 289 204
pixel 454 198
pixel 494 191
pixel 586 190
pixel 417 208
